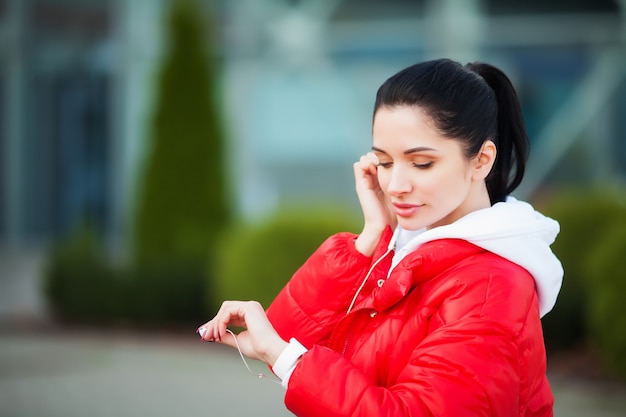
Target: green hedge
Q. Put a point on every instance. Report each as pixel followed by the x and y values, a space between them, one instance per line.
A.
pixel 255 261
pixel 165 294
pixel 606 280
pixel 585 216
pixel 82 287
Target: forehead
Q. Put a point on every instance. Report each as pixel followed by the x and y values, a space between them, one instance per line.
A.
pixel 404 122
pixel 404 115
pixel 400 129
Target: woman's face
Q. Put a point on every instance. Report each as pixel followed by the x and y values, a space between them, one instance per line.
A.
pixel 425 175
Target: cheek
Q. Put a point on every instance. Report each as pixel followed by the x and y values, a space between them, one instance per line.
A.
pixel 442 182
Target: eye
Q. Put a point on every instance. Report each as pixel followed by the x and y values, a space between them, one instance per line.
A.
pixel 385 164
pixel 424 165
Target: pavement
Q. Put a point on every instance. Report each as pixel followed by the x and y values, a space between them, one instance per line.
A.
pixel 54 373
pixel 87 374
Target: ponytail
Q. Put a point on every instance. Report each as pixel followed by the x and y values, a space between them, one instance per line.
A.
pixel 510 138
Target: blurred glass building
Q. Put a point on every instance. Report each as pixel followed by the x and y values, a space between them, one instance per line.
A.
pixel 298 79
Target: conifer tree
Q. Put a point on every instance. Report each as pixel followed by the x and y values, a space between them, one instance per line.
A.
pixel 182 198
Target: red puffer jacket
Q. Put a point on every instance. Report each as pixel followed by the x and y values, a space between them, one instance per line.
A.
pixel 454 331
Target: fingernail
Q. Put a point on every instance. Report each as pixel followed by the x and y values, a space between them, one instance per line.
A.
pixel 202 331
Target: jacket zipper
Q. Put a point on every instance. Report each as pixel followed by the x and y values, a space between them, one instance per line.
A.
pixel 345 345
pixel 347 341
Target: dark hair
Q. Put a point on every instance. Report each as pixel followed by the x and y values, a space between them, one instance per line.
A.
pixel 472 104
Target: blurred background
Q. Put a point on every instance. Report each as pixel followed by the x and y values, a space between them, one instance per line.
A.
pixel 142 140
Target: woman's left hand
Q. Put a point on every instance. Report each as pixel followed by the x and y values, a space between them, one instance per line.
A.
pixel 259 340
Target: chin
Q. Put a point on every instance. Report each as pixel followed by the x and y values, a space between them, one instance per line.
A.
pixel 411 225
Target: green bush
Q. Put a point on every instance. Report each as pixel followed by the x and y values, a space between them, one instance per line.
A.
pixel 83 288
pixel 585 216
pixel 80 285
pixel 607 286
pixel 166 294
pixel 255 261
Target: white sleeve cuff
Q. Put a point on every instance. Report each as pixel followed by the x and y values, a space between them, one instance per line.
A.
pixel 287 359
pixel 285 381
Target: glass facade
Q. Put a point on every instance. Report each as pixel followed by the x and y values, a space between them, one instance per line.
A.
pixel 298 83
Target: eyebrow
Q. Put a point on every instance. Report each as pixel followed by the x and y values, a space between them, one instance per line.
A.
pixel 408 151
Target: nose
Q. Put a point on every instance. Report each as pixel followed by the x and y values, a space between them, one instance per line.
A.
pixel 398 182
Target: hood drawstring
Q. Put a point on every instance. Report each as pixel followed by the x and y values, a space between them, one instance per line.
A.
pixel 389 250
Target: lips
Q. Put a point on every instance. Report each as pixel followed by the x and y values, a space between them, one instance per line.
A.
pixel 406 210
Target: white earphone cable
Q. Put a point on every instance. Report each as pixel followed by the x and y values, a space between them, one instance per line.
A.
pixel 260 375
pixel 366 278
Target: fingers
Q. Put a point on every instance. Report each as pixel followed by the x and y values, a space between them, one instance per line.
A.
pixel 366 173
pixel 366 165
pixel 230 313
pixel 371 157
pixel 221 322
pixel 201 331
pixel 230 338
pixel 206 332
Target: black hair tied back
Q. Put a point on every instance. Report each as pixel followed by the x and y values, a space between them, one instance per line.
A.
pixel 511 138
pixel 472 104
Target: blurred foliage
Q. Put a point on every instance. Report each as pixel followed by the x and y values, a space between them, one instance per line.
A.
pixel 255 261
pixel 183 198
pixel 182 202
pixel 83 287
pixel 79 284
pixel 606 281
pixel 585 216
pixel 170 293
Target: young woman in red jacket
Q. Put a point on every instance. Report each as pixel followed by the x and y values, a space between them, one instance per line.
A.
pixel 434 308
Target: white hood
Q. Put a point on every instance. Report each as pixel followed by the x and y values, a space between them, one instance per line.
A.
pixel 513 230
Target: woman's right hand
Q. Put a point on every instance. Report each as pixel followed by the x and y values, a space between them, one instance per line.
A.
pixel 377 211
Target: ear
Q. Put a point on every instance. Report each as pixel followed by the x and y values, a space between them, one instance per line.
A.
pixel 484 160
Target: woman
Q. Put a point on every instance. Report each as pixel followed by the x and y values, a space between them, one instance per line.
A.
pixel 434 308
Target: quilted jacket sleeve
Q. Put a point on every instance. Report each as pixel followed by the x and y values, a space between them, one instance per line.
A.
pixel 448 376
pixel 468 365
pixel 319 293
